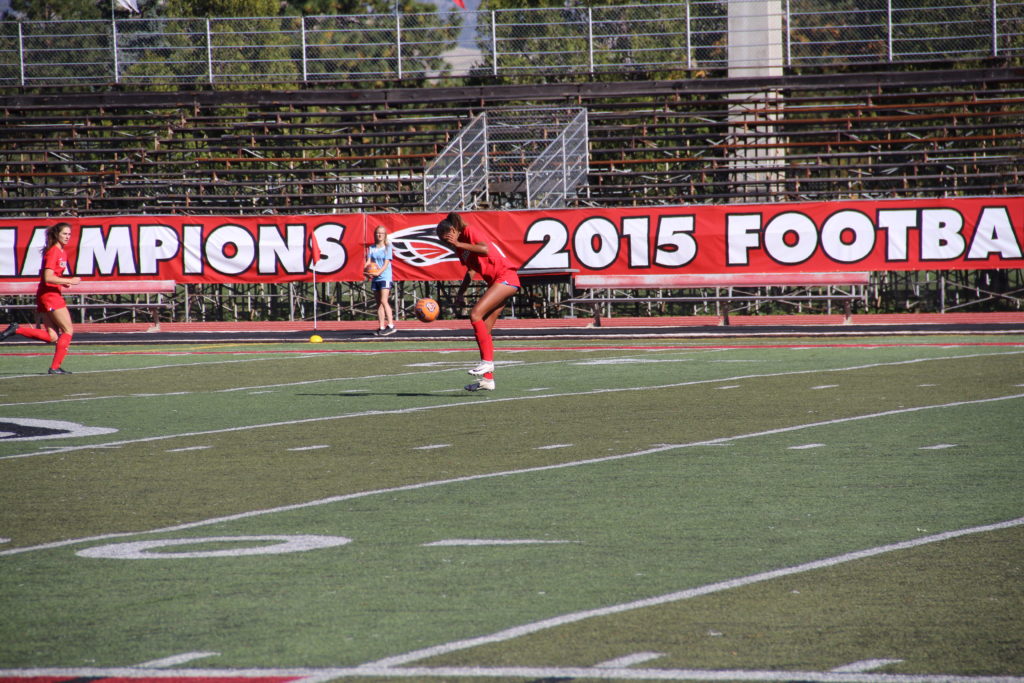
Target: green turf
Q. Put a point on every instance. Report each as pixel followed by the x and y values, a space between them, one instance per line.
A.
pixel 760 458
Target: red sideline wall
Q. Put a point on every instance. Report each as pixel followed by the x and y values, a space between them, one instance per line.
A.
pixel 925 234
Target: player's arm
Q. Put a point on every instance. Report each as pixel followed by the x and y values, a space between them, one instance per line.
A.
pixel 452 239
pixel 480 248
pixel 460 296
pixel 51 278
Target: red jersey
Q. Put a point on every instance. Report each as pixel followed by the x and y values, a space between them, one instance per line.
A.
pixel 493 265
pixel 56 260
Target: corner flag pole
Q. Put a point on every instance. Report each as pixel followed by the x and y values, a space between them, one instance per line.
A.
pixel 314 253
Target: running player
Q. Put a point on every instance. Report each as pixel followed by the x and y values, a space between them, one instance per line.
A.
pixel 484 257
pixel 50 304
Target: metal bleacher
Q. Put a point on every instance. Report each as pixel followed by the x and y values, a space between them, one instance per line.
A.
pixel 865 135
pixel 536 157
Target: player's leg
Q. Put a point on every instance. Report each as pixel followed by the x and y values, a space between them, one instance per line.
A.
pixel 384 313
pixel 58 321
pixel 47 333
pixel 379 296
pixel 483 316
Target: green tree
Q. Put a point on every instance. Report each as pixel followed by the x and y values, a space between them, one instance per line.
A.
pixel 58 10
pixel 221 8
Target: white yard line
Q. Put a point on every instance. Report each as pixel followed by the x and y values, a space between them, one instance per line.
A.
pixel 308 675
pixel 661 448
pixel 475 401
pixel 527 629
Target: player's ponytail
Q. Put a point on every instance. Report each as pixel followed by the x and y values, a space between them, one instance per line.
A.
pixel 456 221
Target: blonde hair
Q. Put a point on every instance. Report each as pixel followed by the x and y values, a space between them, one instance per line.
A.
pixel 387 237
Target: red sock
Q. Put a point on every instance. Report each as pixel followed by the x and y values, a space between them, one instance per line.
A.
pixel 63 342
pixel 33 333
pixel 484 340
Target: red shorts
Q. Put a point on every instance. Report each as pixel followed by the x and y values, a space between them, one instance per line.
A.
pixel 508 277
pixel 49 301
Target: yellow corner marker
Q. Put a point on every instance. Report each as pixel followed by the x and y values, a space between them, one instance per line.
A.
pixel 315 339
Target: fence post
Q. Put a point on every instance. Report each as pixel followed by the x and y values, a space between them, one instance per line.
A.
pixel 398 41
pixel 494 42
pixel 209 52
pixel 888 23
pixel 305 67
pixel 590 38
pixel 995 28
pixel 21 54
pixel 689 38
pixel 113 40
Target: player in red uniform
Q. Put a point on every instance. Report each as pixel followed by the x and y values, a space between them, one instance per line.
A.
pixel 50 305
pixel 484 257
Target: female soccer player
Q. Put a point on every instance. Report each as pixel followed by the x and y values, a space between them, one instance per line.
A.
pixel 378 267
pixel 50 304
pixel 485 258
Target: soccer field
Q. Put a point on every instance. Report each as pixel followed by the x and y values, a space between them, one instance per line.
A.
pixel 631 509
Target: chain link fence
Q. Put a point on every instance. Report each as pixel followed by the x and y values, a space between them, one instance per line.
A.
pixel 545 41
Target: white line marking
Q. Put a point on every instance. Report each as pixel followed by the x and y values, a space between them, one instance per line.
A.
pixel 661 448
pixel 177 659
pixel 526 629
pixel 631 361
pixel 187 448
pixel 310 448
pixel 824 386
pixel 806 446
pixel 456 542
pixel 629 660
pixel 268 545
pixel 5 540
pixel 432 447
pixel 475 401
pixel 865 665
pixel 938 447
pixel 730 386
pixel 554 446
pixel 318 675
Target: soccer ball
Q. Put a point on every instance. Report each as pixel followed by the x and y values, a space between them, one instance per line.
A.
pixel 373 270
pixel 427 310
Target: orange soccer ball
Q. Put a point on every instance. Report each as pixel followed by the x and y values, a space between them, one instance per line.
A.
pixel 427 310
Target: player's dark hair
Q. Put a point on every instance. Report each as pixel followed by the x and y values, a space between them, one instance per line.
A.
pixel 52 234
pixel 443 227
pixel 456 221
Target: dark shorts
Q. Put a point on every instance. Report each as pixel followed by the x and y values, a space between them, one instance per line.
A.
pixel 377 285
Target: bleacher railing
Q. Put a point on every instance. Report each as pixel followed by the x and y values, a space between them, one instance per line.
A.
pixel 453 180
pixel 537 154
pixel 450 42
pixel 560 168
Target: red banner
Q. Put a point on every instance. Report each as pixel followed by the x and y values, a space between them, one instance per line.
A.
pixel 925 234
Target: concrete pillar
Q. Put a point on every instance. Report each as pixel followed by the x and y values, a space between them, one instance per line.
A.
pixel 755 50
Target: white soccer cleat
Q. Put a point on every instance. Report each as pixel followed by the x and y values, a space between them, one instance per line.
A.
pixel 482 369
pixel 481 384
